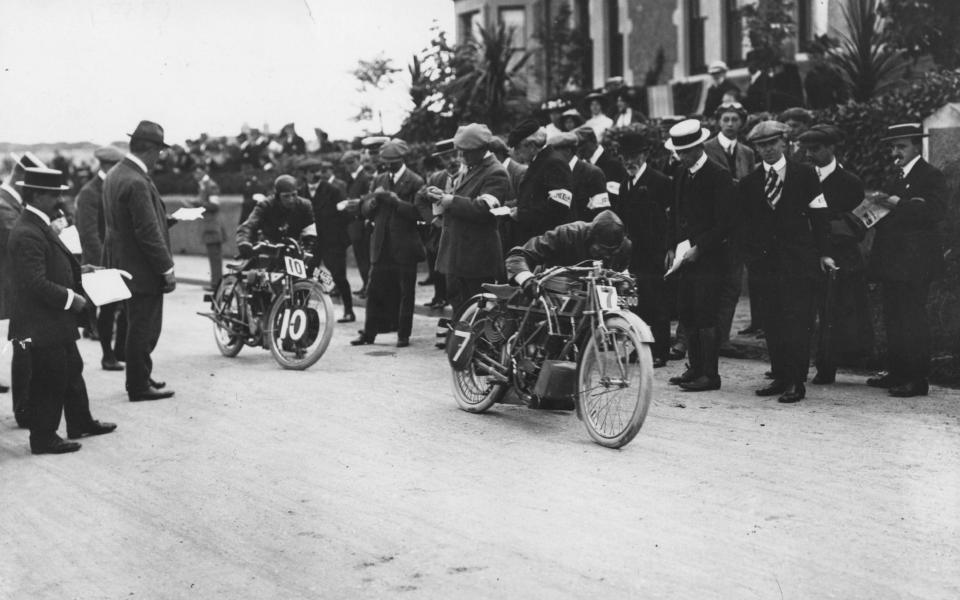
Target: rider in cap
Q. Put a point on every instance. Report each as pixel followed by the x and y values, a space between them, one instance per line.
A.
pixel 285 214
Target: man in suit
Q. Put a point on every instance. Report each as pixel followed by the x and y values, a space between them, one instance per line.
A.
pixel 906 257
pixel 91 228
pixel 137 241
pixel 590 150
pixel 212 232
pixel 516 164
pixel 332 237
pixel 846 332
pixel 720 86
pixel 726 150
pixel 469 254
pixel 703 215
pixel 444 179
pixel 358 184
pixel 45 282
pixel 395 247
pixel 588 186
pixel 11 206
pixel 544 197
pixel 640 208
pixel 787 246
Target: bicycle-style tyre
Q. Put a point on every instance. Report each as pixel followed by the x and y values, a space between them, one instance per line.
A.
pixel 298 330
pixel 615 383
pixel 474 390
pixel 228 333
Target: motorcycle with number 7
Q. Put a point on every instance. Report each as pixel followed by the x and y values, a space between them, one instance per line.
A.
pixel 575 345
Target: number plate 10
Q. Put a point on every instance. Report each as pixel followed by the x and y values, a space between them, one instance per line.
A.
pixel 607 297
pixel 295 267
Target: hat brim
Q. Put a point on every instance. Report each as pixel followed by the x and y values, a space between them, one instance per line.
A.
pixel 137 137
pixel 900 136
pixel 61 188
pixel 766 138
pixel 704 135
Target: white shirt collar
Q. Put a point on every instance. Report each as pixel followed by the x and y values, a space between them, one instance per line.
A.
pixel 13 192
pixel 101 174
pixel 506 162
pixel 399 174
pixel 639 174
pixel 356 173
pixel 38 212
pixel 133 158
pixel 699 164
pixel 573 162
pixel 907 167
pixel 596 155
pixel 725 142
pixel 779 166
pixel 828 170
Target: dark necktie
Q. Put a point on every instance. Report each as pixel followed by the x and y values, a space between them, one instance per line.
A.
pixel 773 187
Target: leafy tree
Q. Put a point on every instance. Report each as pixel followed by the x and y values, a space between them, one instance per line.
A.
pixel 864 58
pixel 770 24
pixel 921 27
pixel 373 75
pixel 565 51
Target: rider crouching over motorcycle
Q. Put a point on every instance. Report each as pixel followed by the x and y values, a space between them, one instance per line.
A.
pixel 603 238
pixel 284 215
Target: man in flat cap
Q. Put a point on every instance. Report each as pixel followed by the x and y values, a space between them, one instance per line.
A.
pixel 846 332
pixel 91 227
pixel 137 240
pixel 703 215
pixel 588 185
pixel 545 196
pixel 11 206
pixel 787 246
pixel 470 250
pixel 797 120
pixel 47 299
pixel 444 179
pixel 395 247
pixel 906 257
pixel 358 184
pixel 594 153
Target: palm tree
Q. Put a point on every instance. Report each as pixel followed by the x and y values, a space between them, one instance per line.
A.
pixel 867 63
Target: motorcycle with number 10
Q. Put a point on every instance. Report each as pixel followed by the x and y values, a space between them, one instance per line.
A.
pixel 271 301
pixel 575 345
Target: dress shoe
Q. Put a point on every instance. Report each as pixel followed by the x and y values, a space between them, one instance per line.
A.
pixel 686 376
pixel 824 377
pixel 158 384
pixel 658 362
pixel 94 428
pixel 209 288
pixel 4 388
pixel 20 416
pixel 777 386
pixel 440 345
pixel 910 389
pixel 793 393
pixel 334 293
pixel 769 375
pixel 729 351
pixel 750 330
pixel 54 446
pixel 151 393
pixel 361 293
pixel 403 342
pixel 885 381
pixel 347 318
pixel 363 340
pixel 111 364
pixel 701 384
pixel 677 353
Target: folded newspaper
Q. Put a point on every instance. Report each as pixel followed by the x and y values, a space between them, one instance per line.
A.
pixel 681 251
pixel 871 209
pixel 104 286
pixel 188 214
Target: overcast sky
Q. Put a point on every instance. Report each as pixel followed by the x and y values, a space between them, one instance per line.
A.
pixel 76 70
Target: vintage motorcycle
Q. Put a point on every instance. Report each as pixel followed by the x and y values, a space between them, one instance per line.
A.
pixel 270 301
pixel 575 346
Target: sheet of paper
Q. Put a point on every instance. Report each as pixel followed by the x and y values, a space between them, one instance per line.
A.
pixel 870 210
pixel 342 205
pixel 105 286
pixel 71 239
pixel 500 211
pixel 682 249
pixel 188 214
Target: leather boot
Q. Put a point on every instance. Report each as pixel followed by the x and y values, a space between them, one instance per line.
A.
pixel 708 346
pixel 695 364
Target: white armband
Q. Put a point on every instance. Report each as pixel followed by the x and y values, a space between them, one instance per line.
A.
pixel 600 200
pixel 522 276
pixel 818 202
pixel 613 187
pixel 310 229
pixel 490 199
pixel 561 196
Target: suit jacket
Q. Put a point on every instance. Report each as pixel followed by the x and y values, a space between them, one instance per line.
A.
pixel 136 238
pixel 41 274
pixel 469 242
pixel 270 222
pixel 907 246
pixel 744 160
pixel 331 223
pixel 515 171
pixel 208 198
pixel 792 237
pixel 704 212
pixel 641 210
pixel 589 184
pixel 10 209
pixel 89 221
pixel 357 188
pixel 395 237
pixel 843 192
pixel 544 197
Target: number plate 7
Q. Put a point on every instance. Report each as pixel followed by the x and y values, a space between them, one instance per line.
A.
pixel 295 267
pixel 607 297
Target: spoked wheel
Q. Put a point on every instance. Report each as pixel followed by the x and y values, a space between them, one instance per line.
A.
pixel 228 331
pixel 474 388
pixel 615 384
pixel 299 328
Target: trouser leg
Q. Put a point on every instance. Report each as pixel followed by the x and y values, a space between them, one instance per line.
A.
pixel 407 283
pixel 728 295
pixel 144 323
pixel 105 320
pixel 336 261
pixel 76 403
pixel 215 256
pixel 21 367
pixel 47 388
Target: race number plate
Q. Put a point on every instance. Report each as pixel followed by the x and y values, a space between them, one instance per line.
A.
pixel 295 267
pixel 607 297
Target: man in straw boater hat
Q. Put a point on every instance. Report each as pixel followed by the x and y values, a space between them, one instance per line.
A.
pixel 906 256
pixel 787 245
pixel 703 215
pixel 47 299
pixel 11 205
pixel 137 240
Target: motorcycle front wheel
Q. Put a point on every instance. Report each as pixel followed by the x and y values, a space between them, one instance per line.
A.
pixel 474 389
pixel 299 328
pixel 615 384
pixel 228 333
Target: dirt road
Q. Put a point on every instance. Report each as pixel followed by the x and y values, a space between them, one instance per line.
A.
pixel 360 479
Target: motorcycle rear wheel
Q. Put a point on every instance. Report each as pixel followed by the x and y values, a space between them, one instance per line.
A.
pixel 615 384
pixel 474 391
pixel 299 328
pixel 227 333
